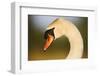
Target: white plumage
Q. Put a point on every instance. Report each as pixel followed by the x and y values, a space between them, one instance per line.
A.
pixel 67 28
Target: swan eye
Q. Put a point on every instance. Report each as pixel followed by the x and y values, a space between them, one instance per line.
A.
pixel 49 32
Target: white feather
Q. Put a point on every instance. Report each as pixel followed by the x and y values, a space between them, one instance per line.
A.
pixel 67 28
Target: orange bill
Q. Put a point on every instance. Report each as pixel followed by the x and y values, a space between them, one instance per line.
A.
pixel 48 41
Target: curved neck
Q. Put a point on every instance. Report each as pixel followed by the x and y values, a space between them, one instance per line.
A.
pixel 65 27
pixel 76 42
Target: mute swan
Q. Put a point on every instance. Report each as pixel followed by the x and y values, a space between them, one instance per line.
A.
pixel 60 27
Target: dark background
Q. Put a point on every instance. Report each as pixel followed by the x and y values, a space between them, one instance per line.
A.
pixel 60 47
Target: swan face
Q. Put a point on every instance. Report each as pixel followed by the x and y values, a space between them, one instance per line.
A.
pixel 58 27
pixel 49 37
pixel 54 31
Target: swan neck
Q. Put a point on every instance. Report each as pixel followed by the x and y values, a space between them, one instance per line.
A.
pixel 76 42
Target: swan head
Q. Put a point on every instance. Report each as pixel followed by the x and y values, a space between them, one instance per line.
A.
pixel 49 37
pixel 53 31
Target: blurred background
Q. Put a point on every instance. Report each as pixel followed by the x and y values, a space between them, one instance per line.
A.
pixel 59 49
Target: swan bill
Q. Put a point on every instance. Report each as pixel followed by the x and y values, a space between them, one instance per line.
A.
pixel 48 42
